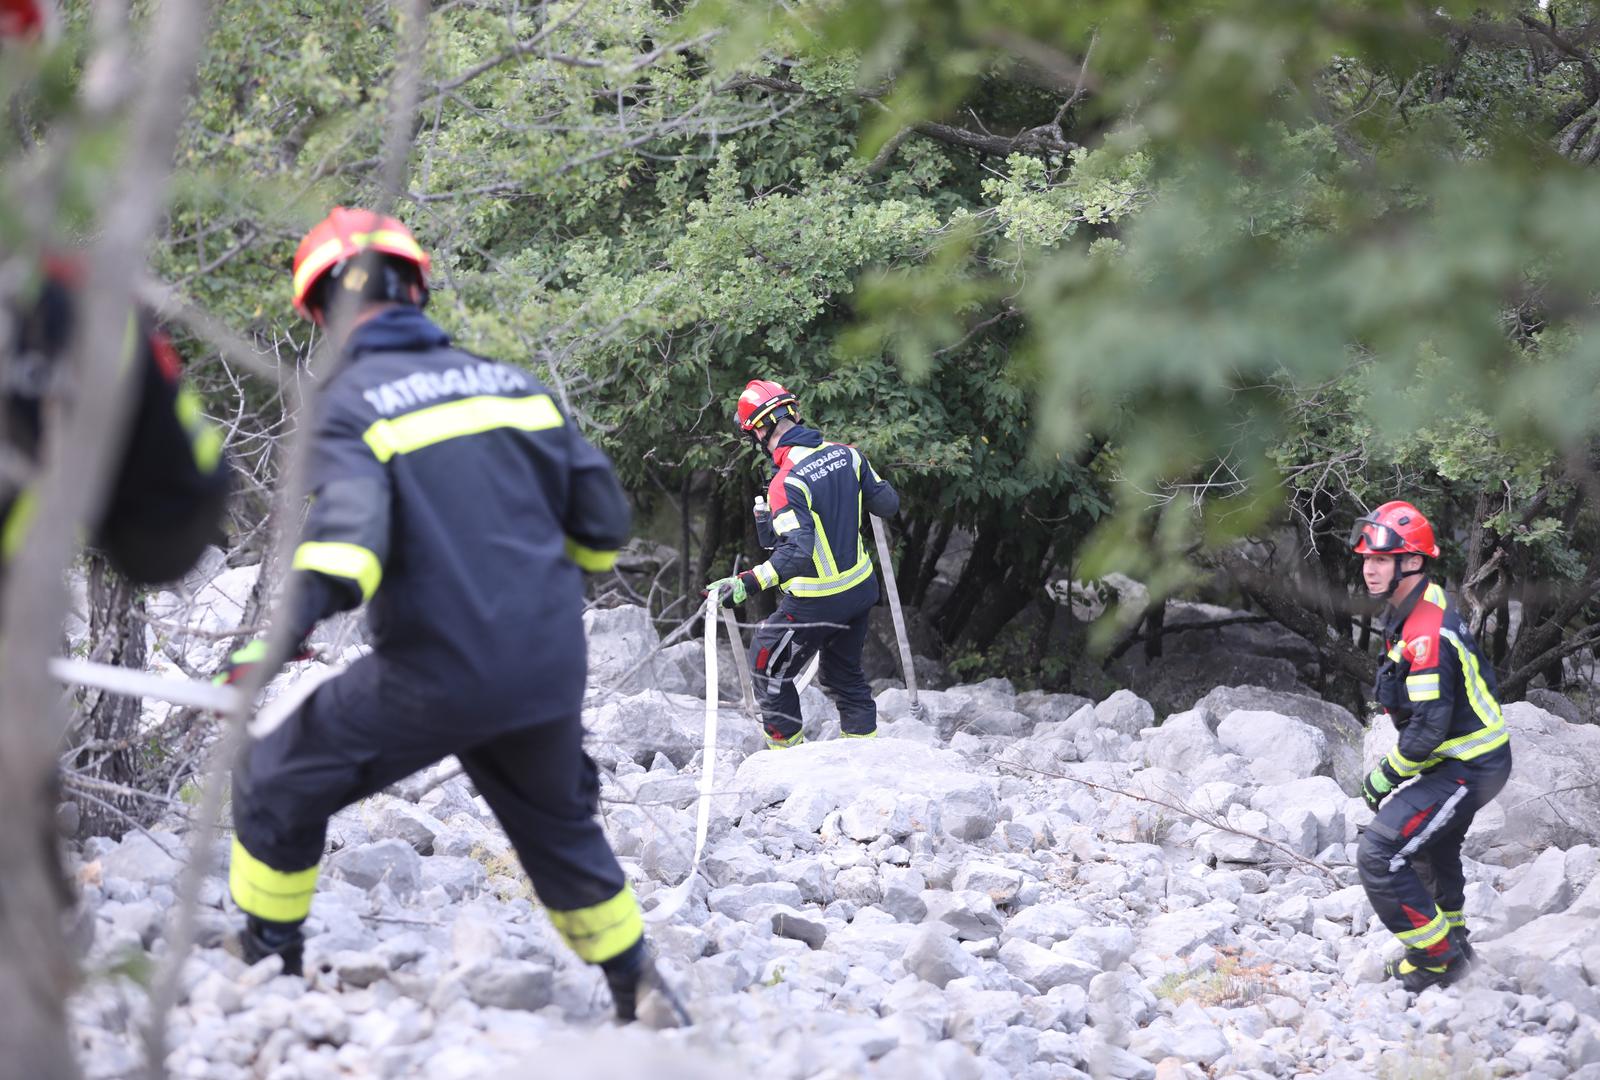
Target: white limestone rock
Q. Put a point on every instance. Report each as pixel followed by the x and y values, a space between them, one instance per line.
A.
pixel 1278 747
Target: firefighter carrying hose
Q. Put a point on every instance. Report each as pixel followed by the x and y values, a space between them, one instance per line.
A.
pixel 453 496
pixel 817 503
pixel 1452 758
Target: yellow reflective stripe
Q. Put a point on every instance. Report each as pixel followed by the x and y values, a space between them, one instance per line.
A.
pixel 208 449
pixel 15 530
pixel 591 559
pixel 766 575
pixel 1456 919
pixel 603 931
pixel 1476 744
pixel 205 441
pixel 1402 764
pixel 392 237
pixel 821 551
pixel 266 893
pixel 801 484
pixel 130 340
pixel 785 522
pixel 454 419
pixel 350 561
pixel 329 251
pixel 1436 595
pixel 873 734
pixel 1483 702
pixel 1397 651
pixel 1430 933
pixel 1423 687
pixel 323 256
pixel 829 586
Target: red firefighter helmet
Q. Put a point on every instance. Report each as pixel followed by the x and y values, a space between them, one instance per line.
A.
pixel 1395 528
pixel 344 234
pixel 764 402
pixel 21 18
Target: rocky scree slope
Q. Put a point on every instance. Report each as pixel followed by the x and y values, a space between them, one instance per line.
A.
pixel 967 897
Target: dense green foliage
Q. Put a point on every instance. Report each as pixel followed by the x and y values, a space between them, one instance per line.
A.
pixel 1100 285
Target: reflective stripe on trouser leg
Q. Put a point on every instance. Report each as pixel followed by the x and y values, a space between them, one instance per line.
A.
pixel 1427 932
pixel 1411 822
pixel 603 931
pixel 545 791
pixel 779 651
pixel 274 895
pixel 1440 819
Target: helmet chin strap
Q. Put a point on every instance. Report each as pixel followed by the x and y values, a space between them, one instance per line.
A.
pixel 759 439
pixel 1394 582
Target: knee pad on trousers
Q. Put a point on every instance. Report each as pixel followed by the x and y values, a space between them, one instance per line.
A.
pixel 1372 857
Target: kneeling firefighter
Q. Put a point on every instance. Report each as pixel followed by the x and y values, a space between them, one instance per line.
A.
pixel 1452 758
pixel 453 496
pixel 817 501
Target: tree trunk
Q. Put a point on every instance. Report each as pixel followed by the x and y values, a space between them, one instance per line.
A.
pixel 977 577
pixel 713 537
pixel 685 545
pixel 913 545
pixel 1502 633
pixel 116 636
pixel 1155 619
pixel 1041 641
pixel 914 589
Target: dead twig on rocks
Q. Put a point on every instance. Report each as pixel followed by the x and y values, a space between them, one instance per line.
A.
pixel 1210 820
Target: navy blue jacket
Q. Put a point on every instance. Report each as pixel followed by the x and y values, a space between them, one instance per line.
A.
pixel 171 487
pixel 453 495
pixel 818 500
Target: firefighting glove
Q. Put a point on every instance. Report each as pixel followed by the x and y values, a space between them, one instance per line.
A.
pixel 242 661
pixel 1380 782
pixel 733 591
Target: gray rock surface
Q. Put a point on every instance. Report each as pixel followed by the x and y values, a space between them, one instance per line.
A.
pixel 912 907
pixel 1277 747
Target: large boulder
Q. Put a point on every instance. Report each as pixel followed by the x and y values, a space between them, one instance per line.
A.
pixel 1178 680
pixel 1278 747
pixel 1542 888
pixel 620 639
pixel 1551 799
pixel 1342 730
pixel 1124 712
pixel 841 772
pixel 1183 742
pixel 1311 811
pixel 638 726
pixel 1046 708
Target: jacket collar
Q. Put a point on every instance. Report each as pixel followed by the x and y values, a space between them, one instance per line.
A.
pixel 398 329
pixel 795 436
pixel 1397 618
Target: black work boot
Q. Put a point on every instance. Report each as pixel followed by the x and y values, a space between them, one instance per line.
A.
pixel 640 993
pixel 1417 974
pixel 1462 946
pixel 261 938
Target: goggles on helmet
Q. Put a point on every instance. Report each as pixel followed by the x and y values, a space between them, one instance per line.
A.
pixel 1380 538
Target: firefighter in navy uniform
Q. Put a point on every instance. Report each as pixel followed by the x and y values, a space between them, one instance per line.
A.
pixel 816 501
pixel 166 501
pixel 452 496
pixel 1452 758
